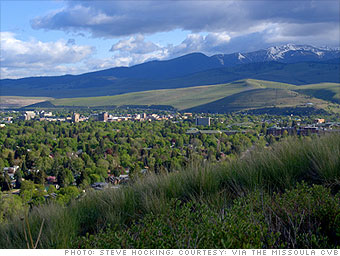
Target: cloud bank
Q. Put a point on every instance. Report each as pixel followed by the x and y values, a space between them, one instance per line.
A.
pixel 136 49
pixel 34 57
pixel 286 19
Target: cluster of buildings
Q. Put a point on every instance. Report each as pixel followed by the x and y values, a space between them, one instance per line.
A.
pixel 319 127
pixel 105 117
pixel 29 115
pixel 45 116
pixel 76 117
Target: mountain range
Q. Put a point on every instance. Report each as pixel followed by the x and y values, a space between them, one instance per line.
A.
pixel 294 64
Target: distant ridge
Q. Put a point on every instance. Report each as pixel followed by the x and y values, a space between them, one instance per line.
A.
pixel 296 64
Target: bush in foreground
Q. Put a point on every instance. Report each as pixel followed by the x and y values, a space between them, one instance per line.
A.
pixel 211 189
pixel 305 217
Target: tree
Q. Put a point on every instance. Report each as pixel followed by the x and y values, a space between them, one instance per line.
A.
pixel 10 206
pixel 64 177
pixel 39 176
pixel 2 165
pixel 102 172
pixel 51 189
pixel 179 142
pixel 65 195
pixel 102 163
pixel 264 129
pixel 5 182
pixel 95 178
pixel 27 190
pixel 77 165
pixel 10 158
pixel 38 195
pixel 18 177
pixel 23 165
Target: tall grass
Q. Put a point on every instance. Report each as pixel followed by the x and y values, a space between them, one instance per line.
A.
pixel 315 160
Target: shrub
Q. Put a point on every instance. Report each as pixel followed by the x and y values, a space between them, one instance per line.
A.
pixel 305 217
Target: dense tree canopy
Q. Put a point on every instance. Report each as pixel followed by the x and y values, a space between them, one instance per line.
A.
pixel 87 152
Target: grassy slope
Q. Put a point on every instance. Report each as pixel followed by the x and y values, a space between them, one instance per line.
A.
pixel 258 99
pixel 185 98
pixel 313 160
pixel 179 98
pixel 327 91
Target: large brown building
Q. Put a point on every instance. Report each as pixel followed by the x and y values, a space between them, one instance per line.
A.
pixel 278 131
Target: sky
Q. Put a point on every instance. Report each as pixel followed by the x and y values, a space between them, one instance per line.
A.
pixel 47 37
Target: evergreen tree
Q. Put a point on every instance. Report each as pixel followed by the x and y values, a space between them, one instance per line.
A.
pixel 18 177
pixel 10 158
pixel 5 182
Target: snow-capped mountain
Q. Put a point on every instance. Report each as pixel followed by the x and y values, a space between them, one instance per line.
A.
pixel 288 53
pixel 189 70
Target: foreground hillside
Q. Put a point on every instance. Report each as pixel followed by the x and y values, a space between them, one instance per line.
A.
pixel 286 196
pixel 224 98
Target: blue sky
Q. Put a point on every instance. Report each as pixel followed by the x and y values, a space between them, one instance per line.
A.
pixel 71 37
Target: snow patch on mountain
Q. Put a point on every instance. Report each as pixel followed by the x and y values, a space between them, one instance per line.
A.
pixel 279 52
pixel 240 56
pixel 220 58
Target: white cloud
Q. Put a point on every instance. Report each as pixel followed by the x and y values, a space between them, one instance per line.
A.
pixel 211 43
pixel 56 70
pixel 21 58
pixel 15 52
pixel 105 63
pixel 127 18
pixel 135 44
pixel 135 50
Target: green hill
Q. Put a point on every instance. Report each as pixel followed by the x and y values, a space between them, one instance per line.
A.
pixel 179 98
pixel 326 91
pixel 258 99
pixel 285 196
pixel 331 90
pixel 242 94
